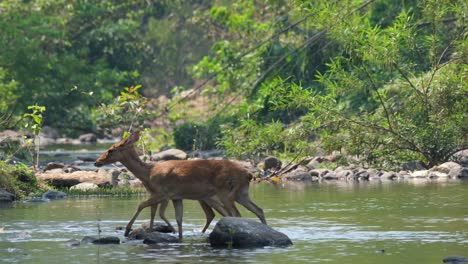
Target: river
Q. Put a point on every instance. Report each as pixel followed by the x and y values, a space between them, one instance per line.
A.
pixel 329 222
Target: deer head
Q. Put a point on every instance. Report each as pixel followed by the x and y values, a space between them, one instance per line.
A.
pixel 115 152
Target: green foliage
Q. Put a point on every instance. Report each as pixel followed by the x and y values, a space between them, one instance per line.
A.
pixel 35 127
pixel 17 179
pixel 36 116
pixel 128 111
pixel 382 95
pixel 197 135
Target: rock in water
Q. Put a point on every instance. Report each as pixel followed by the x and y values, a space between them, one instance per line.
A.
pixel 455 260
pixel 156 238
pixel 100 240
pixel 54 195
pixel 236 232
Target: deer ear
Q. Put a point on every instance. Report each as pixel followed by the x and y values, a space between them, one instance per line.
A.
pixel 133 138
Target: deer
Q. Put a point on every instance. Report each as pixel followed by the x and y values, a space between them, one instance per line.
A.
pixel 216 183
pixel 206 205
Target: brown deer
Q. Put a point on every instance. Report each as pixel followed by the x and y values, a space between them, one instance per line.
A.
pixel 208 181
pixel 206 205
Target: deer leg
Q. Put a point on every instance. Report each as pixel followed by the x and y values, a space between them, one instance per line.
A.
pixel 154 208
pixel 179 211
pixel 208 213
pixel 217 205
pixel 228 202
pixel 162 210
pixel 141 206
pixel 244 199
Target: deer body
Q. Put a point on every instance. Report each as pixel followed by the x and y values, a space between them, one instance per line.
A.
pixel 216 183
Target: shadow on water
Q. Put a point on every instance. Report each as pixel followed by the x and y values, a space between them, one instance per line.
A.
pixel 332 222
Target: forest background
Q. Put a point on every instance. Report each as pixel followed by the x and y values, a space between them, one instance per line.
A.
pixel 382 81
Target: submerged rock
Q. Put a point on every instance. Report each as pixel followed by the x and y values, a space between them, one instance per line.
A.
pixel 37 200
pixel 236 232
pixel 100 240
pixel 455 260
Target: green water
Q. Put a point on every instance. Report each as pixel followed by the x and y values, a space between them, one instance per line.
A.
pixel 333 222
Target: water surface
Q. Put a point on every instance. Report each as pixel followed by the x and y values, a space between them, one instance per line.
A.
pixel 329 222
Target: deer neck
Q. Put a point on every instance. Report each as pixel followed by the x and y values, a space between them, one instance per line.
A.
pixel 134 164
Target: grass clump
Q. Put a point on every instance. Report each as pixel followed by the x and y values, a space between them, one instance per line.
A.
pixel 18 179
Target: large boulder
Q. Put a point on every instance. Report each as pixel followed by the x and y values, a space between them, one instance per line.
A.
pixel 170 154
pixel 461 157
pixel 59 178
pixel 6 197
pixel 236 232
pixel 459 173
pixel 446 167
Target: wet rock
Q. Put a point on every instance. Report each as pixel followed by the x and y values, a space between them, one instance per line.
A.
pixel 88 138
pixel 54 165
pixel 84 186
pixel 312 164
pixel 236 232
pixel 301 173
pixel 170 154
pixel 6 197
pixel 158 227
pixel 328 175
pixel 157 238
pixel 345 174
pixel 461 157
pixel 389 175
pixel 455 260
pixel 374 174
pixel 54 195
pixel 72 243
pixel 419 174
pixel 100 240
pixel 459 173
pixel 37 200
pixel 436 175
pixel 142 232
pixel 446 167
pixel 271 163
pixel 362 175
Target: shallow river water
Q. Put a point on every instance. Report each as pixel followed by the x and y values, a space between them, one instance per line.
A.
pixel 329 222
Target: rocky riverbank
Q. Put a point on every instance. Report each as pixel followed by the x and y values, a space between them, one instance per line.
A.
pixel 79 173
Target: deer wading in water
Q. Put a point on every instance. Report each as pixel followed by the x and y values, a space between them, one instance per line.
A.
pixel 215 183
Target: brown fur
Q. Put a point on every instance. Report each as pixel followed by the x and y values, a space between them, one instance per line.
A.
pixel 210 181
